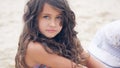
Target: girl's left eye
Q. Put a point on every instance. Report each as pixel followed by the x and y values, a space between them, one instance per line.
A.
pixel 59 17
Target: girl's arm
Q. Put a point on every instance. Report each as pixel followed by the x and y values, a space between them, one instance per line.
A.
pixel 92 62
pixel 38 54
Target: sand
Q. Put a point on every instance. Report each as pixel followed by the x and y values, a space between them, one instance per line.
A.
pixel 91 15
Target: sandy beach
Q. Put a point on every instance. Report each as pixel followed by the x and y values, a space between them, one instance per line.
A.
pixel 91 15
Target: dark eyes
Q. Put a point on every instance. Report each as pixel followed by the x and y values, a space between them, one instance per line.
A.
pixel 46 17
pixel 59 17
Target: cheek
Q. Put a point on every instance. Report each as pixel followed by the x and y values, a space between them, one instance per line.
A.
pixel 42 22
pixel 60 28
pixel 40 25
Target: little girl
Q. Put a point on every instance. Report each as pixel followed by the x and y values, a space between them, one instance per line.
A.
pixel 49 39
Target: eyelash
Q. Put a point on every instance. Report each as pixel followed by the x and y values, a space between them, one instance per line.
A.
pixel 46 17
pixel 59 17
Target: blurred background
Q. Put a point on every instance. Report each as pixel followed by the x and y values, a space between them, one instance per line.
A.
pixel 91 15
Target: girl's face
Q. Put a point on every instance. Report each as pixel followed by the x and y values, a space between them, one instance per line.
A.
pixel 50 21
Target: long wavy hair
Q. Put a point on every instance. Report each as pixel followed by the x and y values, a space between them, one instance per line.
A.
pixel 65 44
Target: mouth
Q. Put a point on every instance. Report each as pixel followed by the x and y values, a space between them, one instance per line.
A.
pixel 51 31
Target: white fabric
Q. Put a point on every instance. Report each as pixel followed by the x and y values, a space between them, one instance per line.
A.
pixel 106 45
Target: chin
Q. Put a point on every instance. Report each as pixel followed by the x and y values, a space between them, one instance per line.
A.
pixel 51 36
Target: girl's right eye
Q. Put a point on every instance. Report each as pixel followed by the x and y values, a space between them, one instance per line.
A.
pixel 46 17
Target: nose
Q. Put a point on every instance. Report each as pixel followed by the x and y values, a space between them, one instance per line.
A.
pixel 52 23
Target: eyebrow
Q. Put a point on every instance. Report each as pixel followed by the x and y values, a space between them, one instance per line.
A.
pixel 46 14
pixel 50 14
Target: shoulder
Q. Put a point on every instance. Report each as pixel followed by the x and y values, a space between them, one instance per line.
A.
pixel 37 52
pixel 34 46
pixel 35 49
pixel 39 55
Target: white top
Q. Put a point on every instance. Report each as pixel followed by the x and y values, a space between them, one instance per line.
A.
pixel 106 45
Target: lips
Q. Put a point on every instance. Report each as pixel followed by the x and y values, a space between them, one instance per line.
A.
pixel 51 31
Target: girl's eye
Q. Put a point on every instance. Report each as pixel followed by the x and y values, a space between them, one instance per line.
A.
pixel 46 17
pixel 59 17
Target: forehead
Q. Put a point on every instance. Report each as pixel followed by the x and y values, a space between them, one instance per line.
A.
pixel 47 8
